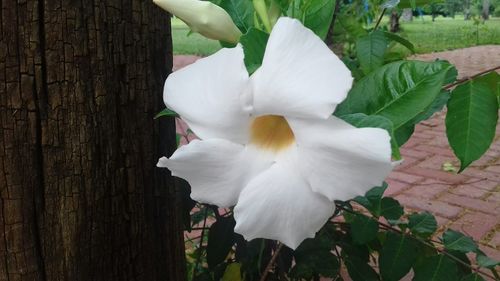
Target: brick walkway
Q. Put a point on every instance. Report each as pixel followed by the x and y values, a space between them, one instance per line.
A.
pixel 469 202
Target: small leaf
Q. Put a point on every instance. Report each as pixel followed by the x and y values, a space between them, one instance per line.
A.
pixel 485 261
pixel 363 229
pixel 423 224
pixel 391 209
pixel 396 38
pixel 472 118
pixel 456 241
pixel 166 112
pixel 359 270
pixel 254 45
pixel 220 241
pixel 473 277
pixel 232 272
pixel 370 50
pixel 435 268
pixel 397 256
pixel 389 4
pixel 372 200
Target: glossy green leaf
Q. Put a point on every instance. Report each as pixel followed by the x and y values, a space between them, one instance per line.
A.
pixel 423 224
pixel 473 277
pixel 370 50
pixel 399 91
pixel 314 256
pixel 456 241
pixel 232 272
pixel 254 45
pixel 390 208
pixel 314 14
pixel 359 270
pixel 389 4
pixel 472 118
pixel 372 200
pixel 220 241
pixel 166 112
pixel 436 268
pixel 361 120
pixel 485 261
pixel 241 11
pixel 363 229
pixel 398 255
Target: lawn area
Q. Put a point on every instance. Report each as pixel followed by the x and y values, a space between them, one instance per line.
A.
pixel 427 36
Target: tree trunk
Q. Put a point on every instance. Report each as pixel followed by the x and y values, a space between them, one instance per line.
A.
pixel 394 21
pixel 80 197
pixel 466 8
pixel 486 9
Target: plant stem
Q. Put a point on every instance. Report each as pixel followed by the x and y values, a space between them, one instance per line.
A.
pixel 380 19
pixel 261 9
pixel 271 263
pixel 198 259
pixel 463 80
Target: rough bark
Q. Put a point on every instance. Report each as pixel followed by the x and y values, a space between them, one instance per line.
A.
pixel 80 197
pixel 486 10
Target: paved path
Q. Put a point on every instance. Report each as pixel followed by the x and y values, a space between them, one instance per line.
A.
pixel 469 202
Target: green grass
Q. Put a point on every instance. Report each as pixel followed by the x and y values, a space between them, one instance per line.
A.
pixel 192 44
pixel 427 36
pixel 449 34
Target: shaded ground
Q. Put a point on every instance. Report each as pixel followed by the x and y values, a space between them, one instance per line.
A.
pixel 469 202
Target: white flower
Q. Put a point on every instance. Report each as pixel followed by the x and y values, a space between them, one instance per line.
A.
pixel 270 146
pixel 203 17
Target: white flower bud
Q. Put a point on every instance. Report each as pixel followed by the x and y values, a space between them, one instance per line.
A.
pixel 203 17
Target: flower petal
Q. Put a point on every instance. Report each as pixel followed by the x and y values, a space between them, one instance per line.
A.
pixel 300 76
pixel 207 95
pixel 216 169
pixel 341 161
pixel 279 204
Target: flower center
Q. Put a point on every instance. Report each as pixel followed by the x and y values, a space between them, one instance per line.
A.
pixel 271 132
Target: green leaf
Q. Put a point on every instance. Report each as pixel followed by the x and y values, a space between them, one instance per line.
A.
pixel 423 224
pixel 232 272
pixel 472 118
pixel 456 241
pixel 399 91
pixel 314 14
pixel 314 256
pixel 361 120
pixel 363 229
pixel 370 50
pixel 485 261
pixel 220 241
pixel 435 268
pixel 359 270
pixel 254 45
pixel 389 4
pixel 396 38
pixel 166 112
pixel 416 3
pixel 241 11
pixel 391 209
pixel 398 255
pixel 473 277
pixel 372 200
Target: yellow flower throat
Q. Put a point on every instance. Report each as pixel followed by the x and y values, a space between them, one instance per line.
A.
pixel 271 132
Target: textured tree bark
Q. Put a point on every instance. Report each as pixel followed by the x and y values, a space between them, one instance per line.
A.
pixel 486 9
pixel 80 197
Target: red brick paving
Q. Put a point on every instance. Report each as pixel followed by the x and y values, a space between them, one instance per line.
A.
pixel 469 202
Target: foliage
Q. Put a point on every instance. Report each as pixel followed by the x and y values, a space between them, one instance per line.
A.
pixel 370 231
